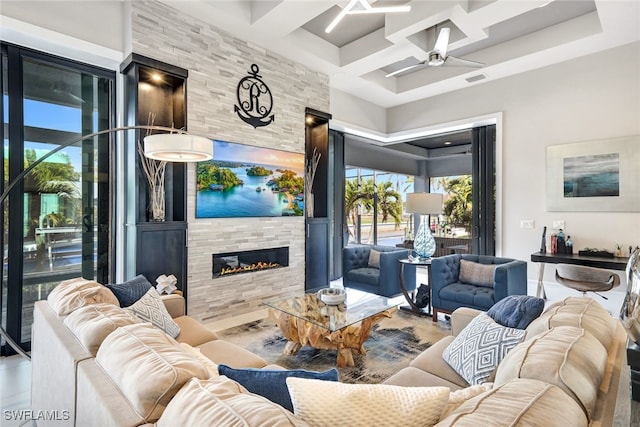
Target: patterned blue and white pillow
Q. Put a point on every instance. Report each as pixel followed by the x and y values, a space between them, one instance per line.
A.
pixel 150 308
pixel 480 347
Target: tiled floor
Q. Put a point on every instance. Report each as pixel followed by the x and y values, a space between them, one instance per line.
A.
pixel 15 371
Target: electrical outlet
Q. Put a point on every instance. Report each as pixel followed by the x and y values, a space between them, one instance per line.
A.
pixel 558 224
pixel 527 223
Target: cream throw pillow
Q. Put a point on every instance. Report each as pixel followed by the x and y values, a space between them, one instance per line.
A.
pixel 72 294
pixel 148 367
pixel 150 308
pixel 223 402
pixel 519 403
pixel 477 274
pixel 329 404
pixel 374 259
pixel 93 323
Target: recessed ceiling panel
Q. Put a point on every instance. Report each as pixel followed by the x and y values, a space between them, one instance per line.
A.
pixel 351 28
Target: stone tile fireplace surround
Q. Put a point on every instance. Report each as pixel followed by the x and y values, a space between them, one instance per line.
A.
pixel 216 62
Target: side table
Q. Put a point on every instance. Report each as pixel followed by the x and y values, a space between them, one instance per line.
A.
pixel 413 307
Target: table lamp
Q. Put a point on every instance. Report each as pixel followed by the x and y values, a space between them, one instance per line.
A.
pixel 424 204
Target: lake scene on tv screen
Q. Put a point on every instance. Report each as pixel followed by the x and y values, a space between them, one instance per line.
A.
pixel 248 181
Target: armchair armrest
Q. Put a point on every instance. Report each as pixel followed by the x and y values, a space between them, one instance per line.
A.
pixel 510 279
pixel 444 271
pixel 174 304
pixel 390 268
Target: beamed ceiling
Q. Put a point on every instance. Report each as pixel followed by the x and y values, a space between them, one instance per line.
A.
pixel 509 36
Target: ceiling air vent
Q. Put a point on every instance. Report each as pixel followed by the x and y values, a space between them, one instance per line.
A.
pixel 476 78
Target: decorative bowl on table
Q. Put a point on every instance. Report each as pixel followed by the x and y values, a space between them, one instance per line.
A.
pixel 332 296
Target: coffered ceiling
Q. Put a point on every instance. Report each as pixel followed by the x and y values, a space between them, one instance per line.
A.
pixel 508 36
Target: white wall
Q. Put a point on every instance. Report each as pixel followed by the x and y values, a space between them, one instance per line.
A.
pixel 591 98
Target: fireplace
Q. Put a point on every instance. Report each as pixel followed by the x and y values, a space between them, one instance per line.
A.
pixel 230 263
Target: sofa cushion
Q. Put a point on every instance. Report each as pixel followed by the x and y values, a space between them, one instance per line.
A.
pixel 365 275
pixel 72 294
pixel 150 308
pixel 374 259
pixel 516 311
pixel 227 353
pixel 148 367
pixel 469 295
pixel 130 291
pixel 519 403
pixel 223 402
pixel 272 384
pixel 477 274
pixel 193 332
pixel 431 361
pixel 480 347
pixel 458 397
pixel 579 312
pixel 328 403
pixel 567 357
pixel 211 366
pixel 93 323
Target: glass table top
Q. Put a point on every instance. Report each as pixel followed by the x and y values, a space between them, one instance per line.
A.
pixel 358 306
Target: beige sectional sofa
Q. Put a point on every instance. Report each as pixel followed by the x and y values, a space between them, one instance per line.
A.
pixel 104 369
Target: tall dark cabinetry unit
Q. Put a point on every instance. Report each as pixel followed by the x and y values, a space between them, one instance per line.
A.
pixel 155 248
pixel 317 226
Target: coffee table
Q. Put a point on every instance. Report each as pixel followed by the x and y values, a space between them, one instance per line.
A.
pixel 305 320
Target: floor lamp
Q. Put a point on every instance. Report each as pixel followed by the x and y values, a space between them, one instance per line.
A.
pixel 424 204
pixel 176 146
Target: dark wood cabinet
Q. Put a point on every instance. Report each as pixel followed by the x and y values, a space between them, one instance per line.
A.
pixel 317 244
pixel 160 247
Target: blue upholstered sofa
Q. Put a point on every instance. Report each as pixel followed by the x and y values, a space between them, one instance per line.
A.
pixel 385 280
pixel 449 291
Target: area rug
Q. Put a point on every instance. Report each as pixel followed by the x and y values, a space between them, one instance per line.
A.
pixel 393 343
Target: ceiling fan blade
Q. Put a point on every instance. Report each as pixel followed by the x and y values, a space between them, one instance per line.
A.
pixel 452 61
pixel 402 70
pixel 442 43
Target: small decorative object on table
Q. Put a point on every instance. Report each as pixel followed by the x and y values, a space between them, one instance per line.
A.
pixel 166 284
pixel 332 296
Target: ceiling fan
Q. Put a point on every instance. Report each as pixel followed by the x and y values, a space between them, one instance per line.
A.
pixel 438 56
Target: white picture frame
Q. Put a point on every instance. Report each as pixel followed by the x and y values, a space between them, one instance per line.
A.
pixel 594 176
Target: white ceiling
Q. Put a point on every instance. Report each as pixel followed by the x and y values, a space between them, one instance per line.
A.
pixel 509 36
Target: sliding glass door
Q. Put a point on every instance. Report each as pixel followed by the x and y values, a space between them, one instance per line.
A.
pixel 55 224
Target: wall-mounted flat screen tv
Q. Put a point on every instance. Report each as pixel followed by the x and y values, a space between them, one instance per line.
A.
pixel 248 181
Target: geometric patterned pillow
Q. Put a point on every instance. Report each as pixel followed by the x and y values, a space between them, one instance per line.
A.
pixel 480 347
pixel 150 308
pixel 131 290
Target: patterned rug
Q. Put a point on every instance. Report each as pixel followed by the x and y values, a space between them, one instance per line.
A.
pixel 393 343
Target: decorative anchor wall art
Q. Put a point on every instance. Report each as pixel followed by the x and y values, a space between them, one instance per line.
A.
pixel 254 100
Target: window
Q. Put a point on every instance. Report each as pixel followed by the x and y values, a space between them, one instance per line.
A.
pixel 55 224
pixel 374 206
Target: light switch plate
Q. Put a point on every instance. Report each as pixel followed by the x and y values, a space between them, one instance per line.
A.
pixel 527 223
pixel 557 224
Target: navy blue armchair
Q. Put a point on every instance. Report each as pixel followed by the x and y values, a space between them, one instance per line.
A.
pixel 385 280
pixel 449 291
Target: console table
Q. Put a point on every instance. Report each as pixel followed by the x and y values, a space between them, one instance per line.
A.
pixel 614 263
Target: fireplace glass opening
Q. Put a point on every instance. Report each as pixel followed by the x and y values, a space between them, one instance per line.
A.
pixel 230 263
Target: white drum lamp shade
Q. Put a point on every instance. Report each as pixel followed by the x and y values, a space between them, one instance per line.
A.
pixel 424 204
pixel 178 147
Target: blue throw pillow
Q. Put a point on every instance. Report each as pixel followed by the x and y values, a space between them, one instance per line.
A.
pixel 272 384
pixel 516 311
pixel 130 291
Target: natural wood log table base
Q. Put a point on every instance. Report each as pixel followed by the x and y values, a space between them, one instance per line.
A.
pixel 301 332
